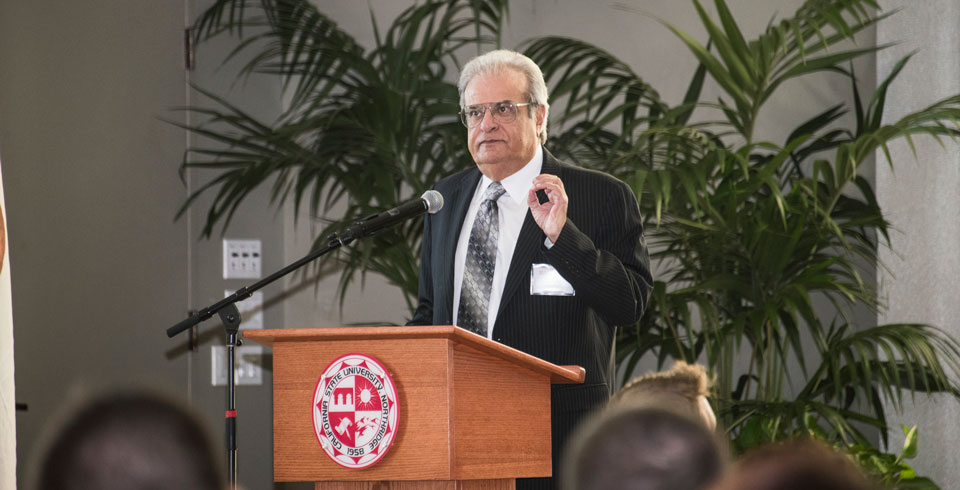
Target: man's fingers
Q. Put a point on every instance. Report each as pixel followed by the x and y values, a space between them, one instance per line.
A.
pixel 553 190
pixel 551 184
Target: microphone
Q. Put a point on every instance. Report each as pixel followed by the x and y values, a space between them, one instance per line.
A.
pixel 430 202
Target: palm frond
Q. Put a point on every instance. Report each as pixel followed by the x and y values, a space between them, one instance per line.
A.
pixel 371 126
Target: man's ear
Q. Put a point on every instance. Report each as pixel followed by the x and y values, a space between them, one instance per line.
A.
pixel 541 115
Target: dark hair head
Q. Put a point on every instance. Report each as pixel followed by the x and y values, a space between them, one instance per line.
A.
pixel 642 447
pixel 802 464
pixel 131 441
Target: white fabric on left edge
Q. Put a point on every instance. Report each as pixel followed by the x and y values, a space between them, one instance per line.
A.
pixel 8 417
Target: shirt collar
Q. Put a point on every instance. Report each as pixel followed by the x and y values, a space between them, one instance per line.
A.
pixel 519 183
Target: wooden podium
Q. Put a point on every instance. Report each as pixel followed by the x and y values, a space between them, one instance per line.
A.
pixel 473 413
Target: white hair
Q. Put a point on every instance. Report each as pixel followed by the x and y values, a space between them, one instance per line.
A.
pixel 502 59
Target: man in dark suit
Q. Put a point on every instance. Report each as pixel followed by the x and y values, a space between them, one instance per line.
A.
pixel 531 252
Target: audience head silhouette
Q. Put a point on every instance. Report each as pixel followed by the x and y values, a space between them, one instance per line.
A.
pixel 131 441
pixel 642 447
pixel 795 465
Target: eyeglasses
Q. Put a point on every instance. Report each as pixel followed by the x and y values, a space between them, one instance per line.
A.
pixel 503 112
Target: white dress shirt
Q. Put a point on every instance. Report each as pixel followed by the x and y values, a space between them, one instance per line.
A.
pixel 513 209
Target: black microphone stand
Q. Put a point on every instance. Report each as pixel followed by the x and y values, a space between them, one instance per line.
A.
pixel 431 202
pixel 230 316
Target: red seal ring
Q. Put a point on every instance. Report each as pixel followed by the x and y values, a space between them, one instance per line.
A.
pixel 355 411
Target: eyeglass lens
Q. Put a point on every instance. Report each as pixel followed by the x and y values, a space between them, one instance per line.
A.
pixel 504 112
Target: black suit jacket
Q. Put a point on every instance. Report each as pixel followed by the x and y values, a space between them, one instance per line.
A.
pixel 600 251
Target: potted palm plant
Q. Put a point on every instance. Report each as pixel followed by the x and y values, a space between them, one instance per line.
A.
pixel 751 232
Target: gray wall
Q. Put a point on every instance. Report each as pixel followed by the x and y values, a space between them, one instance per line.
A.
pixel 920 196
pixel 91 184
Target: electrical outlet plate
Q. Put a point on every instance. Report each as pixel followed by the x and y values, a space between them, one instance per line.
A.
pixel 241 259
pixel 247 371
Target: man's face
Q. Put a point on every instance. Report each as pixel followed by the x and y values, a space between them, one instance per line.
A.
pixel 501 148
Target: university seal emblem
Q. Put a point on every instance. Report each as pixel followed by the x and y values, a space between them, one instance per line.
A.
pixel 355 411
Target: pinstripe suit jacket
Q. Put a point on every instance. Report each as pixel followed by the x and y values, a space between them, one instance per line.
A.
pixel 600 251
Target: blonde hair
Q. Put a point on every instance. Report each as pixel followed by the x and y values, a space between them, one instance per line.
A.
pixel 689 380
pixel 683 388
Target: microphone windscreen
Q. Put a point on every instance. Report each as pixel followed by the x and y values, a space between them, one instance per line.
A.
pixel 434 201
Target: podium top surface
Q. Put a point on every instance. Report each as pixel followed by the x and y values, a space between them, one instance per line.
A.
pixel 558 374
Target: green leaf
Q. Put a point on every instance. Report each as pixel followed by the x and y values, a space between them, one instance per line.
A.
pixel 910 442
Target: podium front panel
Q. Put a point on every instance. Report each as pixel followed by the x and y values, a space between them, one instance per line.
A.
pixel 471 411
pixel 420 449
pixel 501 418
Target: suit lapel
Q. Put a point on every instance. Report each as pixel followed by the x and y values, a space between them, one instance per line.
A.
pixel 528 245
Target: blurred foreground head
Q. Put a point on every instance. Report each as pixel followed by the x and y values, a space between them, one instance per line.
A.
pixel 131 441
pixel 642 448
pixel 795 465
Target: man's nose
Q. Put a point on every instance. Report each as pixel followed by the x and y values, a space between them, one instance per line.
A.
pixel 489 123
